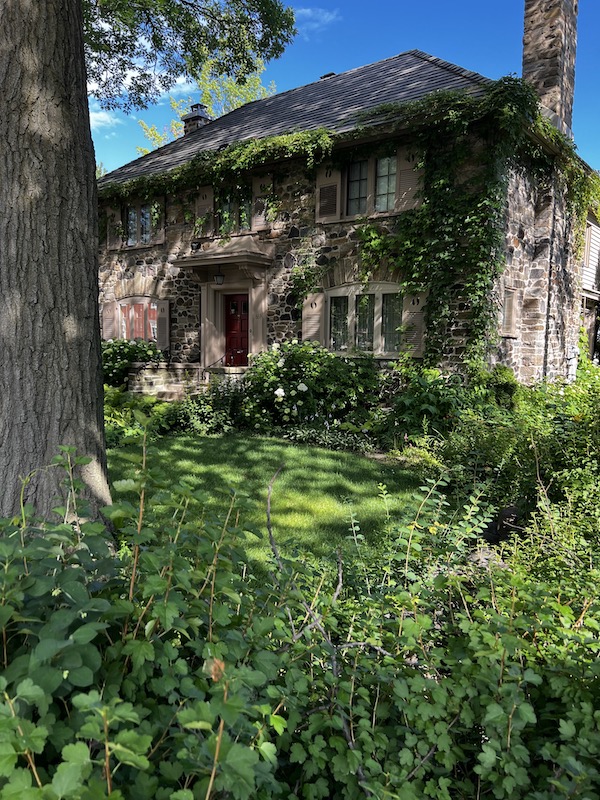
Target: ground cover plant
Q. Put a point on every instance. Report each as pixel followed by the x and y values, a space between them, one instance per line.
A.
pixel 168 671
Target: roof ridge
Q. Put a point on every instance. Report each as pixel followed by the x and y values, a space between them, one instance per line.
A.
pixel 450 67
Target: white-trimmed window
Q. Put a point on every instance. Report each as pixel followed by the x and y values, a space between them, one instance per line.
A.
pixel 137 318
pixel 376 319
pixel 368 186
pixel 233 216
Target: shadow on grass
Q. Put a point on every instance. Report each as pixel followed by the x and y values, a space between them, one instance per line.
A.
pixel 313 496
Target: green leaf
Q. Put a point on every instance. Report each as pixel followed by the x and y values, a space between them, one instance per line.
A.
pixel 8 759
pixel 85 633
pixel 68 778
pixel 82 676
pixel 279 723
pixel 269 752
pixel 494 713
pixel 487 757
pixel 567 728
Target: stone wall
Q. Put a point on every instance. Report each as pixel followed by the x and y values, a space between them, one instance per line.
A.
pixel 549 46
pixel 545 278
pixel 545 339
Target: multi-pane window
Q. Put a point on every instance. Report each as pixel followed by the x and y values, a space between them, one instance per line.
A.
pixel 358 173
pixel 233 216
pixel 365 321
pixel 391 321
pixel 338 323
pixel 138 319
pixel 385 183
pixel 138 225
pixel 378 320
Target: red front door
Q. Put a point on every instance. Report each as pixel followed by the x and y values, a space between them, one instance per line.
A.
pixel 236 330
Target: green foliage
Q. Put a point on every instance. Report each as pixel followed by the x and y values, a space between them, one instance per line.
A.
pixel 168 671
pixel 304 383
pixel 225 167
pixel 127 416
pixel 452 244
pixel 119 354
pixel 165 40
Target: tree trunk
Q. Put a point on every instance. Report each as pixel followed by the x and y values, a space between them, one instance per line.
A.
pixel 50 358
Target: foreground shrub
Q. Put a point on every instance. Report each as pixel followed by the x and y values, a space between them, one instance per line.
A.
pixel 168 671
pixel 119 354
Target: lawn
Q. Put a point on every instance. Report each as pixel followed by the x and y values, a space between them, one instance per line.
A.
pixel 313 497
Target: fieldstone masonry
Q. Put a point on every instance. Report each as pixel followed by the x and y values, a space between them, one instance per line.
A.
pixel 541 277
pixel 549 46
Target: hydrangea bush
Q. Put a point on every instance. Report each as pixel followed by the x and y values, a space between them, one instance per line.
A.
pixel 301 382
pixel 119 354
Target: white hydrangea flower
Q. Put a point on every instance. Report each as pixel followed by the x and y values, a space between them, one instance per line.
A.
pixel 279 392
pixel 302 387
pixel 281 362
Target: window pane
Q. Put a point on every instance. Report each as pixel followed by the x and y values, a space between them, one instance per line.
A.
pixel 365 318
pixel 357 187
pixel 385 184
pixel 123 322
pixel 152 313
pixel 144 224
pixel 338 323
pixel 132 225
pixel 391 321
pixel 138 321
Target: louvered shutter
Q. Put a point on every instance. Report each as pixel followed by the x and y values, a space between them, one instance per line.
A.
pixel 509 319
pixel 413 323
pixel 262 188
pixel 205 208
pixel 157 222
pixel 329 190
pixel 312 318
pixel 409 181
pixel 162 325
pixel 114 227
pixel 110 321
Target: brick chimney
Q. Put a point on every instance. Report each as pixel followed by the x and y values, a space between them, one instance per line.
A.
pixel 196 118
pixel 549 45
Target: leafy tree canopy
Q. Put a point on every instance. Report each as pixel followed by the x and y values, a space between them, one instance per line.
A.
pixel 219 93
pixel 136 49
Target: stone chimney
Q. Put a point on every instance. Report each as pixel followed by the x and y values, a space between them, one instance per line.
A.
pixel 196 118
pixel 549 45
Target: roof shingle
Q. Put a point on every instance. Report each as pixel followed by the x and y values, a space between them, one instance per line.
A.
pixel 333 102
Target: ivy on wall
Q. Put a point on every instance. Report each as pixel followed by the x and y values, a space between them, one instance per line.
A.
pixel 453 243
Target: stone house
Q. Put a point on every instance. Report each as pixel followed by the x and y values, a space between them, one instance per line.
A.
pixel 250 229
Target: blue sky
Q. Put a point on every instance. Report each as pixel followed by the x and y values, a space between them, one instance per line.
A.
pixel 333 36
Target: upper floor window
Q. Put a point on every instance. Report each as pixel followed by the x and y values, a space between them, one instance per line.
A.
pixel 385 183
pixel 138 224
pixel 382 185
pixel 357 192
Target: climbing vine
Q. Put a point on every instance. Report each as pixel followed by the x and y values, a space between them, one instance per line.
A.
pixel 453 243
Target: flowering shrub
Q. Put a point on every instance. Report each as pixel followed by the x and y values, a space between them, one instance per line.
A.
pixel 119 354
pixel 301 382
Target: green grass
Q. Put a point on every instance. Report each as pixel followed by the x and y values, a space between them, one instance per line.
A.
pixel 313 496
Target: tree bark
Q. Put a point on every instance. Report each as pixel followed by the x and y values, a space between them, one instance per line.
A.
pixel 50 357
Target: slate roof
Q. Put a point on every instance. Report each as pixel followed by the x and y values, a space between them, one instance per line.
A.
pixel 332 102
